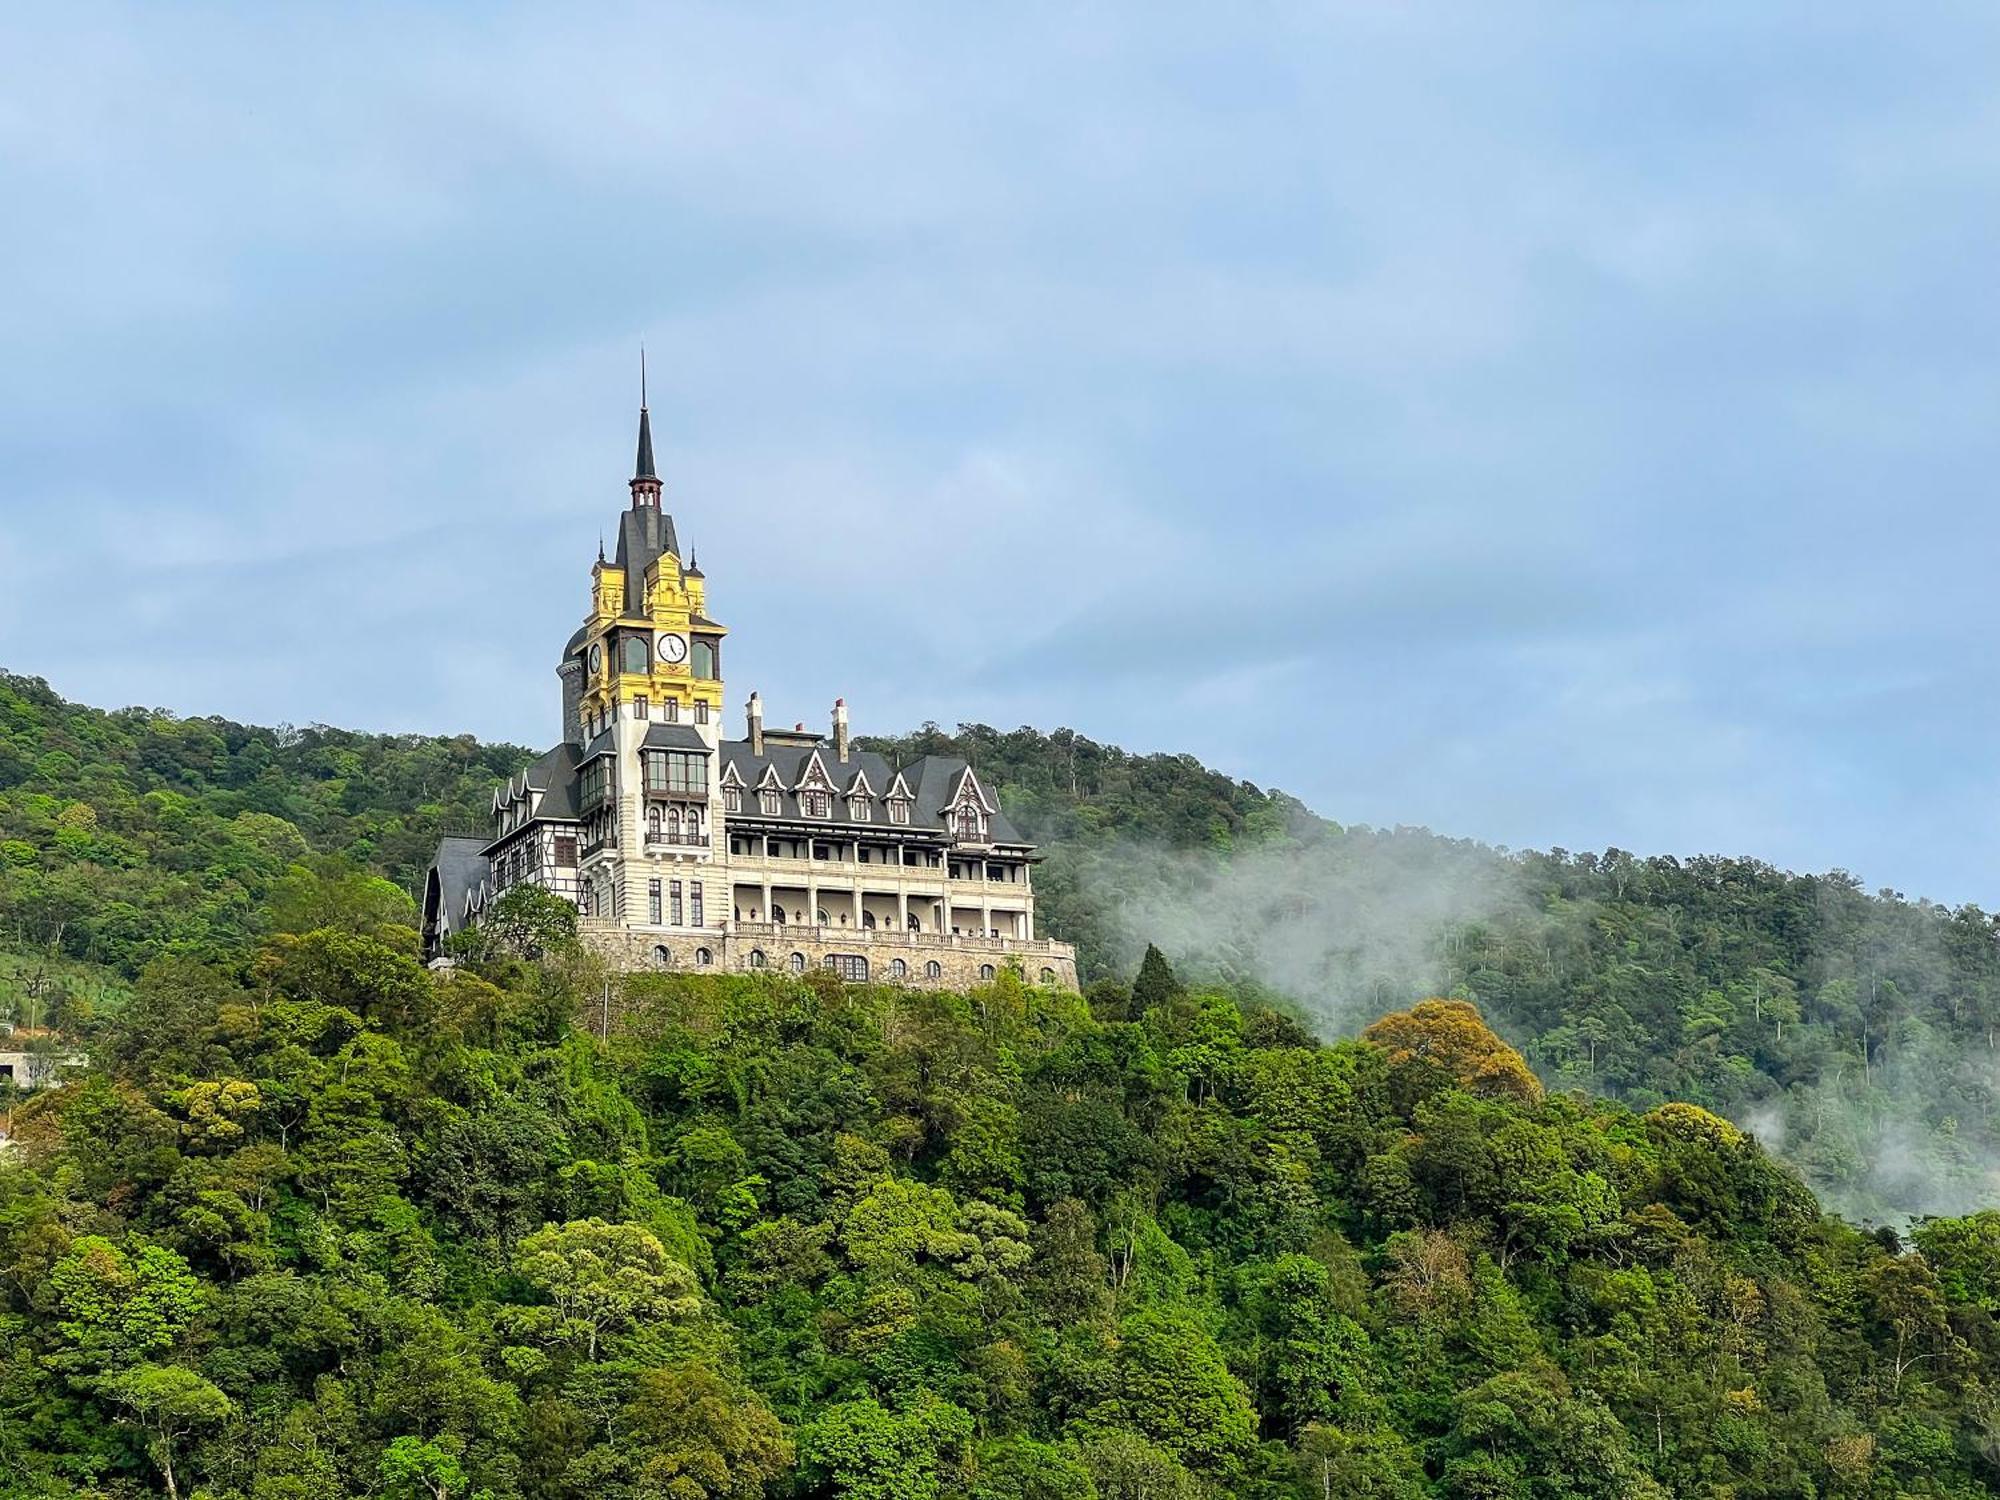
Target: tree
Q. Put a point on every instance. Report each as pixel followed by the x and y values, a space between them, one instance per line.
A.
pixel 169 1402
pixel 1155 984
pixel 531 922
pixel 868 1452
pixel 411 1466
pixel 117 1309
pixel 1451 1036
pixel 696 1436
pixel 602 1279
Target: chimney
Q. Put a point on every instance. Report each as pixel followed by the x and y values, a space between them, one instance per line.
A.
pixel 756 724
pixel 840 729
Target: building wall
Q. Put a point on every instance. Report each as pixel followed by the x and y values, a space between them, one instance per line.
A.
pixel 731 947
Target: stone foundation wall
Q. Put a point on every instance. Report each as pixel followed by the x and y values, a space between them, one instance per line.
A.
pixel 959 962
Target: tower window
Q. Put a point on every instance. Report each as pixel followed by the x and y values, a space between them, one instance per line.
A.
pixel 704 659
pixel 673 710
pixel 701 713
pixel 634 654
pixel 642 707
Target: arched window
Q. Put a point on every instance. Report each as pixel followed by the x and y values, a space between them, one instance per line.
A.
pixel 897 968
pixel 969 822
pixel 757 959
pixel 777 914
pixel 916 923
pixel 663 956
pixel 652 823
pixel 868 920
pixel 703 958
pixel 674 824
pixel 823 918
pixel 798 962
pixel 985 971
pixel 933 970
pixel 1048 976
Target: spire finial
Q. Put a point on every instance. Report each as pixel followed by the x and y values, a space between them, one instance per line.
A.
pixel 645 478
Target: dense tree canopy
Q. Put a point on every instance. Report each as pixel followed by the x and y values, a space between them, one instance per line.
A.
pixel 317 1221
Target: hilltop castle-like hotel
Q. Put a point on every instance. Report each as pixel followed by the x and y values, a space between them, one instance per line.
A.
pixel 786 849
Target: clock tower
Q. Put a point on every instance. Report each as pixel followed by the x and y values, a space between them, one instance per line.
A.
pixel 645 676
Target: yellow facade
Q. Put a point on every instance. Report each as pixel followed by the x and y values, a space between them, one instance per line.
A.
pixel 675 603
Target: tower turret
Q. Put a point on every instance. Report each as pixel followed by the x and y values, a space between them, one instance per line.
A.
pixel 645 478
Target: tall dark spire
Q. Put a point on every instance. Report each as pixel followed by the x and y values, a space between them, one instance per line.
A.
pixel 645 478
pixel 644 468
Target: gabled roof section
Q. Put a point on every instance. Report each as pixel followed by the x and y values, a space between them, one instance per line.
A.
pixel 812 775
pixel 930 783
pixel 858 784
pixel 969 790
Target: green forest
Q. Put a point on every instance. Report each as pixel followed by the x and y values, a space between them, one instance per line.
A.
pixel 316 1221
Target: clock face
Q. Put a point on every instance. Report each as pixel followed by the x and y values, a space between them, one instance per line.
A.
pixel 673 648
pixel 596 657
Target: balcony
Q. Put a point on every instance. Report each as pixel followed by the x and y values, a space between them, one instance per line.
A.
pixel 676 841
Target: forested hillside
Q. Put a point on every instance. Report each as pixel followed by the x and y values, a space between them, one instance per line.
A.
pixel 1856 1032
pixel 322 1223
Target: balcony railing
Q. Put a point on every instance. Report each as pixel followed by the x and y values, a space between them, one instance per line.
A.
pixel 808 932
pixel 681 840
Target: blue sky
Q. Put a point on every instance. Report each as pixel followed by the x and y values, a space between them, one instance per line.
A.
pixel 1553 424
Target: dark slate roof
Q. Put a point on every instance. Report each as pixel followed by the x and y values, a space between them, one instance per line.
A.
pixel 931 780
pixel 644 535
pixel 643 469
pixel 575 641
pixel 458 868
pixel 672 737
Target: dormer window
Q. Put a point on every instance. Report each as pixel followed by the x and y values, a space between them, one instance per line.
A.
pixel 767 803
pixel 858 809
pixel 732 799
pixel 969 824
pixel 815 803
pixel 899 809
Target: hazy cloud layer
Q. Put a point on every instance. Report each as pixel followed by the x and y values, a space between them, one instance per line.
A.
pixel 1545 423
